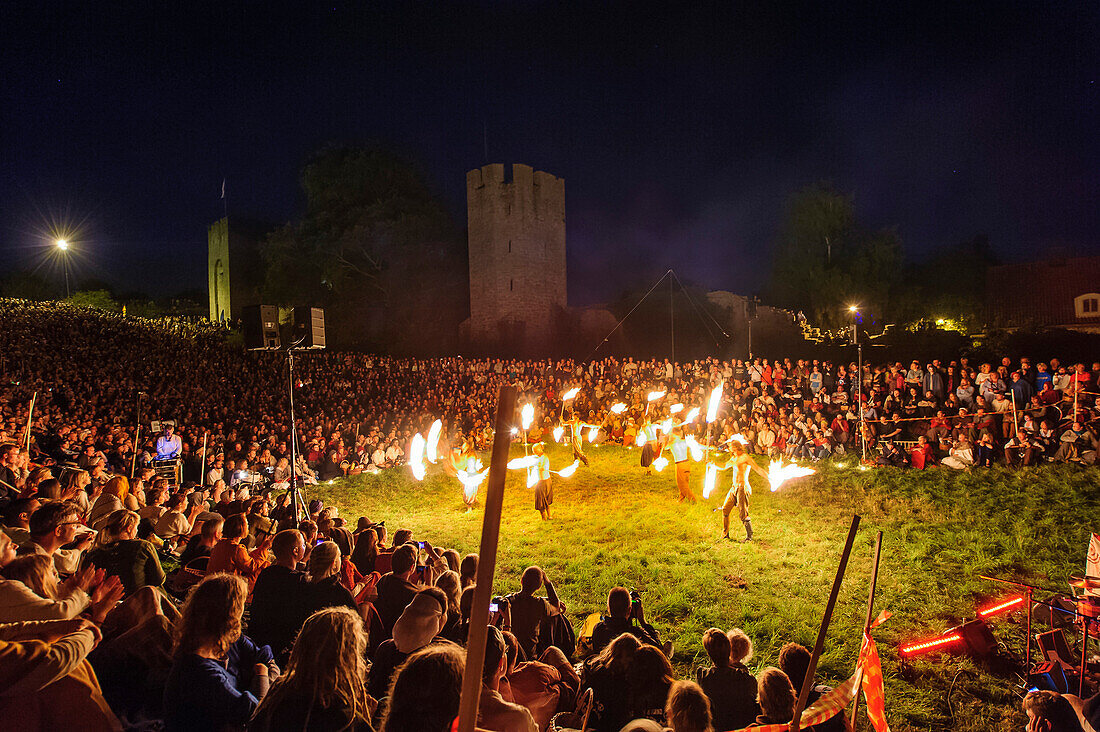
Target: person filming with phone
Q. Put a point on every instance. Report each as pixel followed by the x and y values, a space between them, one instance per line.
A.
pixel 529 612
pixel 624 607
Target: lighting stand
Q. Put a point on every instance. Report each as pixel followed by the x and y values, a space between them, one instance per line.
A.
pixel 296 499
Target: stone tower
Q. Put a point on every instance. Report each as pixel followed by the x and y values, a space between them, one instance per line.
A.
pixel 517 256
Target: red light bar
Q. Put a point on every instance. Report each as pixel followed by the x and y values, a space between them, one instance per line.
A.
pixel 1002 606
pixel 913 649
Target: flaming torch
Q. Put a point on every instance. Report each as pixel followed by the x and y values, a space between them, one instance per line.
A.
pixel 709 480
pixel 433 442
pixel 568 397
pixel 660 463
pixel 558 433
pixel 567 472
pixel 618 408
pixel 527 416
pixel 416 456
pixel 652 397
pixel 778 473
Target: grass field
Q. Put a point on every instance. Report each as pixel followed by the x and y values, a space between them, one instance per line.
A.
pixel 613 525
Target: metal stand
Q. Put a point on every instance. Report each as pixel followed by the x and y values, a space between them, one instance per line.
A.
pixel 296 500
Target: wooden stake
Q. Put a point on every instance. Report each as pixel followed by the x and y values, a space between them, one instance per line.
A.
pixel 30 416
pixel 870 618
pixel 808 682
pixel 487 560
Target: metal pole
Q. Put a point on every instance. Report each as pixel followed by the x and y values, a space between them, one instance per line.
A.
pixel 672 323
pixel 859 398
pixel 486 566
pixel 808 682
pixel 870 615
pixel 137 437
pixel 293 438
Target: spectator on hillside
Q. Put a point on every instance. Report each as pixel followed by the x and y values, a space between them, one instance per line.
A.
pixel 54 525
pixel 420 624
pixel 607 674
pixel 1049 711
pixel 324 588
pixel 775 696
pixel 425 692
pixel 396 589
pixel 794 661
pixel 277 609
pixel 494 712
pixel 119 552
pixel 530 613
pixel 728 682
pixel 623 608
pixel 323 688
pixel 201 544
pixel 228 555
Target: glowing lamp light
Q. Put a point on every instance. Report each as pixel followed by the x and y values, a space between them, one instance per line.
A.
pixel 592 433
pixel 618 408
pixel 528 415
pixel 914 649
pixel 853 308
pixel 660 463
pixel 676 408
pixel 655 395
pixel 515 431
pixel 62 244
pixel 714 403
pixel 1012 603
pixel 571 394
pixel 433 441
pixel 558 433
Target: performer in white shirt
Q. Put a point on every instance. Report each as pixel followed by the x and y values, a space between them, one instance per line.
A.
pixel 168 444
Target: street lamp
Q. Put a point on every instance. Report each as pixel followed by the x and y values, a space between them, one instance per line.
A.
pixel 63 247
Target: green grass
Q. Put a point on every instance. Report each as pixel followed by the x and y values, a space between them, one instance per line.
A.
pixel 613 525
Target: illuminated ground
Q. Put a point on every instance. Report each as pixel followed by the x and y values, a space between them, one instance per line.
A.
pixel 614 525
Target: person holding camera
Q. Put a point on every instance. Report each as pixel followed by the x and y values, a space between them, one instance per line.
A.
pixel 528 612
pixel 623 608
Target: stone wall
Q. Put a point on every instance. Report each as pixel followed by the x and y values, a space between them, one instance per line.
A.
pixel 516 230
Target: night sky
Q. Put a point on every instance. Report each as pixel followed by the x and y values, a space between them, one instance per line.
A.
pixel 680 132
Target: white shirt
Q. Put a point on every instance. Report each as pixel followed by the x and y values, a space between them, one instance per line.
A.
pixel 169 447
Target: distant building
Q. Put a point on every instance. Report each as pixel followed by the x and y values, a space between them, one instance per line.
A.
pixel 233 270
pixel 516 223
pixel 1063 293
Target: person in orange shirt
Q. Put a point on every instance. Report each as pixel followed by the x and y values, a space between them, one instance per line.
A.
pixel 229 556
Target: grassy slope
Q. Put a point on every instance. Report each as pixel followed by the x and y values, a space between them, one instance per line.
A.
pixel 614 525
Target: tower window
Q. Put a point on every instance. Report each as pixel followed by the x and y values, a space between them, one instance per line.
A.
pixel 511 284
pixel 509 246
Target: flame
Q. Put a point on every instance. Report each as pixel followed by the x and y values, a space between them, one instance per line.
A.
pixel 532 477
pixel 528 415
pixel 570 394
pixel 568 471
pixel 709 480
pixel 592 433
pixel 714 403
pixel 618 408
pixel 523 462
pixel 676 409
pixel 640 439
pixel 558 432
pixel 471 478
pixel 691 415
pixel 416 456
pixel 666 426
pixel 740 438
pixel 778 473
pixel 695 447
pixel 660 463
pixel 655 395
pixel 433 441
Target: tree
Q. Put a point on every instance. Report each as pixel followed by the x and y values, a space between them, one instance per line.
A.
pixel 96 299
pixel 27 286
pixel 375 247
pixel 825 261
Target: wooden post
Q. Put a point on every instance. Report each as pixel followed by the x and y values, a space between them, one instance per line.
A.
pixel 487 560
pixel 133 458
pixel 870 618
pixel 202 467
pixel 808 682
pixel 30 417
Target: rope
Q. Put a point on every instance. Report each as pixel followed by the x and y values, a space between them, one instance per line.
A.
pixel 666 274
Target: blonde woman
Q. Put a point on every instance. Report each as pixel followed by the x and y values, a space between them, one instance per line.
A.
pixel 120 552
pixel 323 687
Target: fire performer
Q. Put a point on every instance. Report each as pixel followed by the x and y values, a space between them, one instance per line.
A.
pixel 652 447
pixel 738 494
pixel 679 449
pixel 544 492
pixel 576 436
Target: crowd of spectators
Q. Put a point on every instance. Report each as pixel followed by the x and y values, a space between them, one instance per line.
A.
pixel 129 599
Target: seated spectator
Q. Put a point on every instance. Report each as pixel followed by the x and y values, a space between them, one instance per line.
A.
pixel 323 687
pixel 202 693
pixel 449 582
pixel 396 589
pixel 115 497
pixel 794 661
pixel 121 553
pixel 365 554
pixel 229 556
pixel 607 675
pixel 468 570
pixel 420 624
pixel 426 690
pixel 54 525
pixel 544 686
pixel 17 519
pixel 650 678
pixel 494 712
pixel 278 607
pixel 1049 711
pixel 622 610
pixel 529 613
pixel 324 588
pixel 728 682
pixel 46 682
pixel 687 710
pixel 203 542
pixel 175 524
pixel 38 575
pixel 776 697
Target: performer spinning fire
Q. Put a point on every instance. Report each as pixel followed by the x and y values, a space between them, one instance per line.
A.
pixel 544 492
pixel 576 436
pixel 652 447
pixel 739 492
pixel 679 449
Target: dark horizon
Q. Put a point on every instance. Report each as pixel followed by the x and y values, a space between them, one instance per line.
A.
pixel 680 133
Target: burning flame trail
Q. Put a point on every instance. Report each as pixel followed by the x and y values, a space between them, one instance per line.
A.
pixel 558 433
pixel 571 394
pixel 618 408
pixel 714 403
pixel 524 462
pixel 593 433
pixel 528 415
pixel 708 482
pixel 655 395
pixel 567 472
pixel 433 441
pixel 660 463
pixel 778 473
pixel 416 456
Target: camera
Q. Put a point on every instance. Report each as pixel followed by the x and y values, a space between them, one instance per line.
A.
pixel 635 597
pixel 496 603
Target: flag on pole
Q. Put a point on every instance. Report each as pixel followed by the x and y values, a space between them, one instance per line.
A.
pixel 873 687
pixel 223 189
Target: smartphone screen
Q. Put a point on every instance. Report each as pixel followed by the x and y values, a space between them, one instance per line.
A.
pixel 494 607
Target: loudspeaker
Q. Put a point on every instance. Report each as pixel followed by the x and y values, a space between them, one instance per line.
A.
pixel 310 323
pixel 261 326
